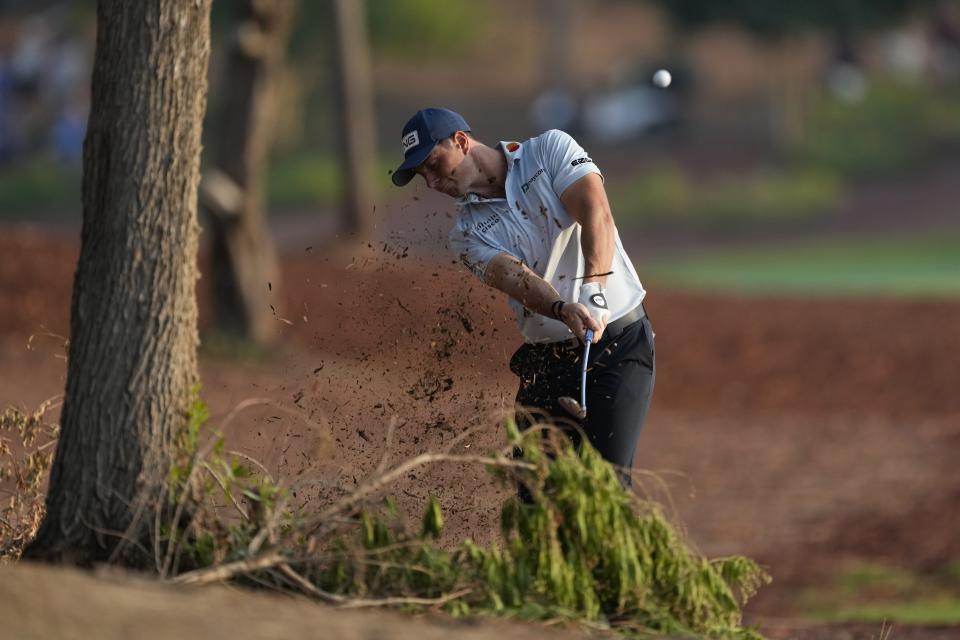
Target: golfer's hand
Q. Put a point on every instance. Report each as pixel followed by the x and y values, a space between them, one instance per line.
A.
pixel 578 318
pixel 592 297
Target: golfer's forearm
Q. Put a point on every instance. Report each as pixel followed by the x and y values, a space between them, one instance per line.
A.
pixel 506 273
pixel 596 241
pixel 586 200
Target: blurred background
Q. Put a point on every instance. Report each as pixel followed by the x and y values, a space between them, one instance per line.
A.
pixel 834 119
pixel 790 201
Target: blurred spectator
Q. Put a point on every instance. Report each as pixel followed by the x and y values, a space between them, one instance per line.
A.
pixel 44 77
pixel 68 131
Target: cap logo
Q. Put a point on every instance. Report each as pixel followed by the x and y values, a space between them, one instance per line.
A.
pixel 412 139
pixel 512 146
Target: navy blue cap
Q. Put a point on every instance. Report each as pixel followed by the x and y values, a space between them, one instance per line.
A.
pixel 421 134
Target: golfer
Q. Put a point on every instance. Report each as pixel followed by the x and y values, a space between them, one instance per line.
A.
pixel 533 221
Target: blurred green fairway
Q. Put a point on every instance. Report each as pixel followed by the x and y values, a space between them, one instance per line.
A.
pixel 912 266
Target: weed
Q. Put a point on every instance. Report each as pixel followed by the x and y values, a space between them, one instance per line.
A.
pixel 585 550
pixel 27 445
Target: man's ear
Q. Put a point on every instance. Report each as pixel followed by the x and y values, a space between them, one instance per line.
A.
pixel 462 141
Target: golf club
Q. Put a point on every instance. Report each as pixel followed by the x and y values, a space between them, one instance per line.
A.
pixel 579 409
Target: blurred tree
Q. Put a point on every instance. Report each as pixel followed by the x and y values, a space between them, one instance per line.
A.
pixel 133 322
pixel 357 126
pixel 244 269
pixel 775 19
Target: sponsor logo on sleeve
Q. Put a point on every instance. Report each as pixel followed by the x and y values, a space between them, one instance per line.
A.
pixel 412 139
pixel 581 161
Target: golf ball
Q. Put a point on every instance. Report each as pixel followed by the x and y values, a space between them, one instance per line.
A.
pixel 662 78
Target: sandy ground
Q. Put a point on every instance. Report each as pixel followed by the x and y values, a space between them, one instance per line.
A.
pixel 808 434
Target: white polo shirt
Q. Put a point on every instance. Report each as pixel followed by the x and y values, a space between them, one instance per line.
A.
pixel 532 225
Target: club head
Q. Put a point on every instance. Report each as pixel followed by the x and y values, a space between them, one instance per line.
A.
pixel 572 407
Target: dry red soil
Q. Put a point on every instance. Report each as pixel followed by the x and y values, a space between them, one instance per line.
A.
pixel 808 434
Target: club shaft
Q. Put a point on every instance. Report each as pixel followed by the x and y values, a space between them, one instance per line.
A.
pixel 587 339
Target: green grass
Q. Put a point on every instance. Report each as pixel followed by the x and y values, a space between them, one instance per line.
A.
pixel 881 593
pixel 917 266
pixel 934 611
pixel 314 180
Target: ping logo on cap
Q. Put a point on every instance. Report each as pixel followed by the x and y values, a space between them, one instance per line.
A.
pixel 412 139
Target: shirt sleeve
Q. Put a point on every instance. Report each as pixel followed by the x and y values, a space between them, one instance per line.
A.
pixel 565 159
pixel 474 250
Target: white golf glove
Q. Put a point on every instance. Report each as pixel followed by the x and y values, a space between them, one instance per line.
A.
pixel 593 298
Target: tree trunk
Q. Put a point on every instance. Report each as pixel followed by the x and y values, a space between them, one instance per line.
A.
pixel 244 267
pixel 133 323
pixel 356 114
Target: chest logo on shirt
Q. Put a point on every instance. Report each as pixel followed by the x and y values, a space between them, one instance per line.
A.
pixel 526 185
pixel 486 225
pixel 580 161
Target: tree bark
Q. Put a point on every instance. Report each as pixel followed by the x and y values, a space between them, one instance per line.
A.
pixel 133 324
pixel 244 267
pixel 356 114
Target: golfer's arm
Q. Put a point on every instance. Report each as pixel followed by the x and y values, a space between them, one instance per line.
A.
pixel 508 274
pixel 586 201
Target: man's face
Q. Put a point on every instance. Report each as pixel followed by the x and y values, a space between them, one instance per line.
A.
pixel 443 169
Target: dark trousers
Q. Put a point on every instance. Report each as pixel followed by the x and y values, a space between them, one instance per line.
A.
pixel 620 375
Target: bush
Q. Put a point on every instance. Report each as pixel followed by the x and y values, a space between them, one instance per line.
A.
pixel 585 550
pixel 666 194
pixel 304 181
pixel 894 125
pixel 417 28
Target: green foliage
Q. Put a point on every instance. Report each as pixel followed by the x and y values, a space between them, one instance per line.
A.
pixel 893 126
pixel 304 181
pixel 421 28
pixel 666 194
pixel 311 180
pixel 40 185
pixel 585 549
pixel 204 480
